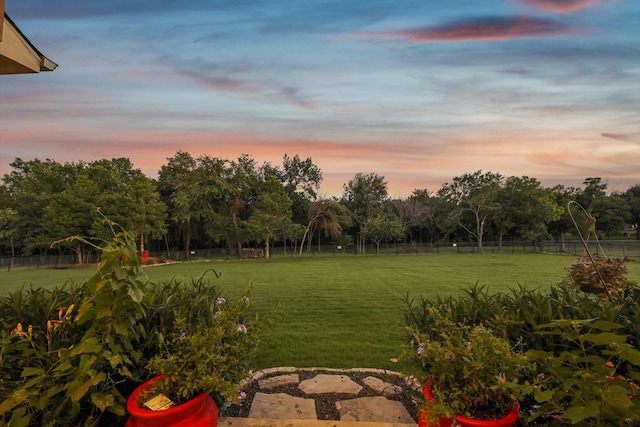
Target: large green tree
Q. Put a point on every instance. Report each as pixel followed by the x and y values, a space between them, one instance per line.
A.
pixel 270 212
pixel 383 228
pixel 526 208
pixel 559 227
pixel 610 211
pixel 189 187
pixel 632 195
pixel 72 212
pixel 363 196
pixel 30 187
pixel 414 213
pixel 473 198
pixel 128 198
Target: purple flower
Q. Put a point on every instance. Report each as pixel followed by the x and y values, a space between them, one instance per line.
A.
pixel 245 300
pixel 242 395
pixel 220 301
pixel 421 348
pixel 242 328
pixel 217 314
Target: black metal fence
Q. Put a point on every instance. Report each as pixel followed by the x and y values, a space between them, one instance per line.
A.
pixel 629 249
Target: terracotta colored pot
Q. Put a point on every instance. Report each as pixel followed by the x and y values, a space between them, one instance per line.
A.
pixel 443 422
pixel 510 420
pixel 200 411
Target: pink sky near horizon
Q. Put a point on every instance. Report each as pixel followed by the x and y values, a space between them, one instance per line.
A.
pixel 416 93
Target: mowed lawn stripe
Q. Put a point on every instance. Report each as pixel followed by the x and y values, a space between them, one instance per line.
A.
pixel 343 310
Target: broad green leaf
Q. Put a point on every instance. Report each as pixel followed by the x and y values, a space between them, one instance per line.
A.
pixel 78 389
pixel 605 325
pixel 16 398
pixel 121 328
pixel 64 366
pixel 604 338
pixel 30 372
pixel 543 396
pixel 630 354
pixel 117 409
pixel 104 312
pixel 579 413
pixel 616 395
pixel 82 312
pixel 100 377
pixel 135 293
pixel 102 401
pixel 538 354
pixel 19 418
pixel 90 345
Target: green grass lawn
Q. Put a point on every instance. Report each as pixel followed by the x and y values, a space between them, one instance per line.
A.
pixel 342 311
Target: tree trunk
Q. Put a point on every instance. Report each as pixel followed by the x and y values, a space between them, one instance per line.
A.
pixel 304 236
pixel 563 245
pixel 480 233
pixel 141 242
pixel 234 218
pixel 266 247
pixel 187 244
pixel 78 251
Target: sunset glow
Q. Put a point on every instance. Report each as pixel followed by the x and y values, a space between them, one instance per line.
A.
pixel 418 92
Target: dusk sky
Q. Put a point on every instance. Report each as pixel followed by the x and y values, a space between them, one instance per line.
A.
pixel 416 91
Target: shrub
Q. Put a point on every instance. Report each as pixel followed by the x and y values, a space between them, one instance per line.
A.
pixel 71 355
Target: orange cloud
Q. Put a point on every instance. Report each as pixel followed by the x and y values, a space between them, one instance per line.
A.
pixel 493 28
pixel 560 6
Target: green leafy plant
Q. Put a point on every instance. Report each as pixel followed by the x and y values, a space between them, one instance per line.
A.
pixel 64 357
pixel 591 380
pixel 469 370
pixel 209 353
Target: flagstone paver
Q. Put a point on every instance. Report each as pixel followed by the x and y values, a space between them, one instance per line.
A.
pixel 282 406
pixel 283 410
pixel 325 383
pixel 378 409
pixel 278 381
pixel 382 387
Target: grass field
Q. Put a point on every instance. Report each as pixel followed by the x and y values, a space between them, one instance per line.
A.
pixel 342 311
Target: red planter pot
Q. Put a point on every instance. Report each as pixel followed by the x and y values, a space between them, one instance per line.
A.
pixel 510 420
pixel 200 411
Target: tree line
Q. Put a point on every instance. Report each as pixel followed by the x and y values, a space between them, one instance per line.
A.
pixel 200 202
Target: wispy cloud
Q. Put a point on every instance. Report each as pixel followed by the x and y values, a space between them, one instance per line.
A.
pixel 623 137
pixel 487 28
pixel 560 6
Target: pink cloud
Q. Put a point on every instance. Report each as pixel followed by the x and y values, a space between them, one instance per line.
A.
pixel 497 28
pixel 560 6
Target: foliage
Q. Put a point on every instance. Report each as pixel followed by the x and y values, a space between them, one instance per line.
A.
pixel 473 198
pixel 71 354
pixel 270 213
pixel 526 209
pixel 591 379
pixel 469 369
pixel 632 196
pixel 66 363
pixel 362 196
pixel 588 276
pixel 379 228
pixel 209 353
pixel 585 347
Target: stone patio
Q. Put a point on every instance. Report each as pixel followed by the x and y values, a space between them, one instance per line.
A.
pixel 283 410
